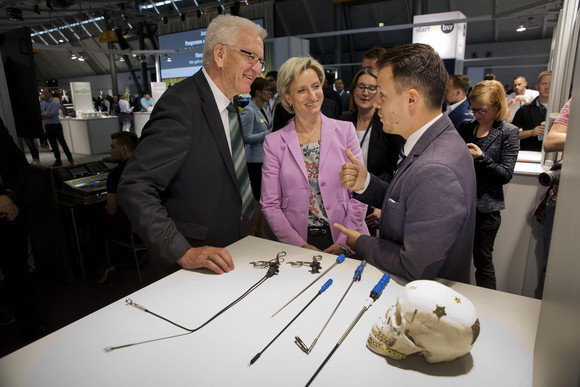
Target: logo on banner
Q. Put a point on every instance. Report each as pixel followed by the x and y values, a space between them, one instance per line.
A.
pixel 82 91
pixel 447 28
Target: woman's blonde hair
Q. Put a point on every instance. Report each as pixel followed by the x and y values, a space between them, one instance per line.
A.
pixel 125 96
pixel 289 73
pixel 494 93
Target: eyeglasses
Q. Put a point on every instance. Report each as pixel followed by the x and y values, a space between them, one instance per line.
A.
pixel 252 58
pixel 483 112
pixel 266 89
pixel 371 89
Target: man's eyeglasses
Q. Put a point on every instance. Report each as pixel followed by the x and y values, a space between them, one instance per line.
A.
pixel 371 89
pixel 252 58
pixel 483 112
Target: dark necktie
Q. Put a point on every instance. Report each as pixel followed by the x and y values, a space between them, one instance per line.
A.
pixel 239 159
pixel 402 158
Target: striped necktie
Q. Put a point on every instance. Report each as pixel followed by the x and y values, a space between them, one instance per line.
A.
pixel 239 159
pixel 402 158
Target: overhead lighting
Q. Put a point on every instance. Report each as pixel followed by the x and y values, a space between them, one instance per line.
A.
pixel 121 58
pixel 521 28
pixel 81 59
pixel 73 56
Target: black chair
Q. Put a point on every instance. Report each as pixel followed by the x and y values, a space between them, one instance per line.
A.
pixel 131 242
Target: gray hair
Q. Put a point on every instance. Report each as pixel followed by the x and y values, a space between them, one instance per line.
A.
pixel 225 29
pixel 291 70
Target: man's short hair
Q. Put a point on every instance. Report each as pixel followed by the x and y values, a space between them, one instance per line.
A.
pixel 273 74
pixel 225 29
pixel 543 74
pixel 489 77
pixel 461 82
pixel 417 66
pixel 291 70
pixel 258 84
pixel 374 53
pixel 129 139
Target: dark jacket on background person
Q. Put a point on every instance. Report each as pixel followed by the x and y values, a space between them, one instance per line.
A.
pixel 528 117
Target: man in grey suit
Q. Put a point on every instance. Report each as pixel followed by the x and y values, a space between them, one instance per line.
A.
pixel 428 209
pixel 180 189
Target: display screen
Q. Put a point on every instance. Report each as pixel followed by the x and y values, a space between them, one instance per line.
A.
pixel 78 171
pixel 184 64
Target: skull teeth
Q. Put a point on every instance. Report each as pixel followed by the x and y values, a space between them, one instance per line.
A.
pixel 379 348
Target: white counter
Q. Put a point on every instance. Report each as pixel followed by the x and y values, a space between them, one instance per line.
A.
pixel 89 136
pixel 139 121
pixel 219 354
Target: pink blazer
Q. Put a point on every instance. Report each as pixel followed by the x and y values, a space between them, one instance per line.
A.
pixel 285 190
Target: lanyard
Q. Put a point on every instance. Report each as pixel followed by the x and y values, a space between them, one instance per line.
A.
pixel 366 132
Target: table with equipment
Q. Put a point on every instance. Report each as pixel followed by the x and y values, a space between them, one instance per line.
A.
pixel 219 353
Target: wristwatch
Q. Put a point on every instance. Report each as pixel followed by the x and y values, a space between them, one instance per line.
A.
pixel 346 250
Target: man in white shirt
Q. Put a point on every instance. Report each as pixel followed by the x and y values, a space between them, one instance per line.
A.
pixel 272 77
pixel 519 96
pixel 428 209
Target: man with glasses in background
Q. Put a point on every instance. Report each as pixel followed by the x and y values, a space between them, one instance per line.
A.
pixel 186 189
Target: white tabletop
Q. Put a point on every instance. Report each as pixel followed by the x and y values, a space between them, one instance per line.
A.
pixel 219 354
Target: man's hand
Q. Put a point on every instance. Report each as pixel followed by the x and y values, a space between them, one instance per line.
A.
pixel 216 259
pixel 8 210
pixel 537 131
pixel 373 219
pixel 353 174
pixel 351 235
pixel 310 247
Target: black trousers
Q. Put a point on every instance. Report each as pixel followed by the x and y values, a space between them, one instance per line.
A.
pixel 55 135
pixel 486 227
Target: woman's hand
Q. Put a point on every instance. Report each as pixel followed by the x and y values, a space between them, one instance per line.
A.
pixel 474 150
pixel 307 246
pixel 334 249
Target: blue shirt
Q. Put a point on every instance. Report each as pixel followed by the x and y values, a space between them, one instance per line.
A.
pixel 52 107
pixel 146 104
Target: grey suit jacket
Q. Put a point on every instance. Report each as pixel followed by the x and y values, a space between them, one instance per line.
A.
pixel 179 188
pixel 428 210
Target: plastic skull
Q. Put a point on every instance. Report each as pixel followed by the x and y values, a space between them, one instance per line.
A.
pixel 430 319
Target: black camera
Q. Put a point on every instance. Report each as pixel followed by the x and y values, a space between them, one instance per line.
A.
pixel 551 177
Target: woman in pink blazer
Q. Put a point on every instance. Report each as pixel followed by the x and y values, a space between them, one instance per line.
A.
pixel 301 191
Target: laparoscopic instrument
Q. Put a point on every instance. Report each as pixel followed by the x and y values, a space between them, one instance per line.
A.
pixel 375 294
pixel 322 289
pixel 340 259
pixel 273 269
pixel 357 276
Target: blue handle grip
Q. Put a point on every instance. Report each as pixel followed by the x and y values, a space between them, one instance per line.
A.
pixel 325 286
pixel 340 258
pixel 359 270
pixel 378 289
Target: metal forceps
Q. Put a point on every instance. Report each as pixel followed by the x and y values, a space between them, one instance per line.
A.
pixel 315 265
pixel 265 264
pixel 357 276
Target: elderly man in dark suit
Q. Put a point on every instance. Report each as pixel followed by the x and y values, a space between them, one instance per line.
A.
pixel 428 209
pixel 186 189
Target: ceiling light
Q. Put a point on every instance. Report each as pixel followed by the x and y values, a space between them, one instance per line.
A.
pixel 73 57
pixel 521 28
pixel 121 59
pixel 81 59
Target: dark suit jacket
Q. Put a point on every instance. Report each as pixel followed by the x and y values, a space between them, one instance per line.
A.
pixel 527 118
pixel 428 210
pixel 179 188
pixel 495 166
pixel 383 147
pixel 460 114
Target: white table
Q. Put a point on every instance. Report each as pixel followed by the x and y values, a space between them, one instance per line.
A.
pixel 219 354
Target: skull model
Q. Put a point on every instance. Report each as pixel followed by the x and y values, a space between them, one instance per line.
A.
pixel 430 319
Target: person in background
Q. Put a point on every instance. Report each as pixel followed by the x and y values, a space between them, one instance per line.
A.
pixel 489 77
pixel 186 188
pixel 519 96
pixel 554 142
pixel 531 117
pixel 494 145
pixel 255 127
pixel 380 150
pixel 344 94
pixel 272 76
pixel 17 302
pixel 456 98
pixel 428 209
pixel 146 102
pixel 301 195
pixel 331 95
pixel 371 58
pixel 49 109
pixel 125 112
